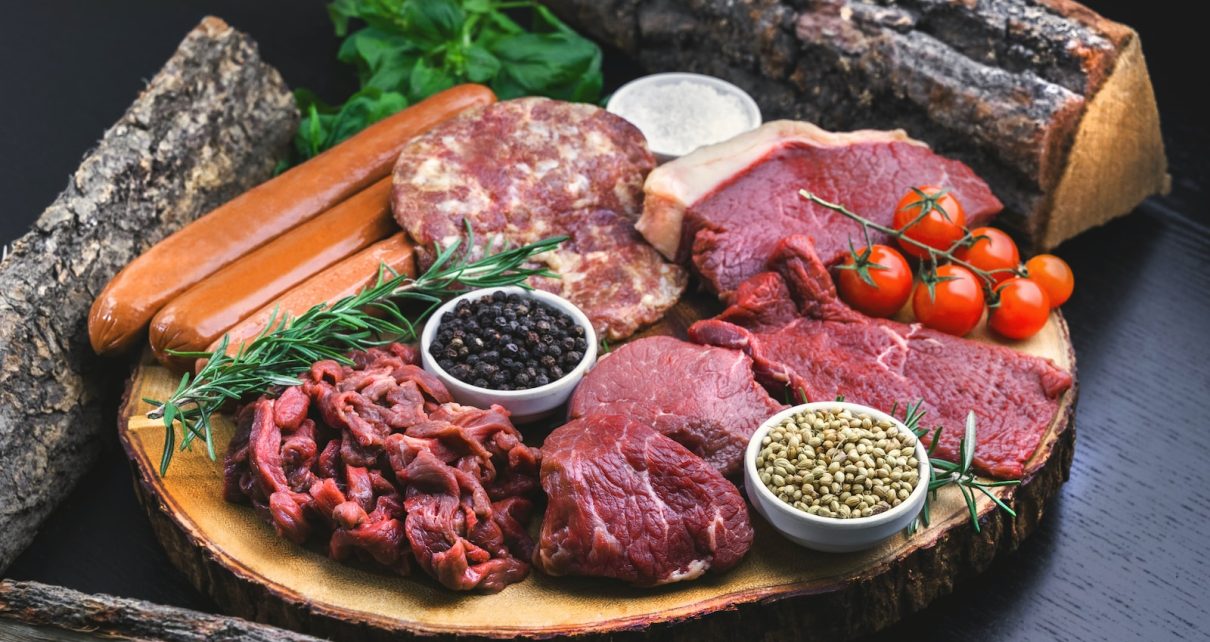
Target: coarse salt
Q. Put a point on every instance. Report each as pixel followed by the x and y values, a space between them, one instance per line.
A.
pixel 679 117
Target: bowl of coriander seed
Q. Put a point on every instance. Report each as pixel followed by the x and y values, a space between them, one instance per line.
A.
pixel 835 476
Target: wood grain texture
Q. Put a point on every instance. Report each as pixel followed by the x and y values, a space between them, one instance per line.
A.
pixel 1021 91
pixel 237 559
pixel 63 613
pixel 208 126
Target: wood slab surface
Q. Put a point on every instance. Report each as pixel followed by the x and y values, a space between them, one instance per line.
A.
pixel 229 553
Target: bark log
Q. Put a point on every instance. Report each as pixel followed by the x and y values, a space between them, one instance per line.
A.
pixel 209 125
pixel 104 616
pixel 1011 88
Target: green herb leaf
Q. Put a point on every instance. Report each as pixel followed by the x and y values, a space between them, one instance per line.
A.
pixel 427 80
pixel 415 48
pixel 383 58
pixel 550 63
pixel 431 23
pixel 481 65
pixel 324 126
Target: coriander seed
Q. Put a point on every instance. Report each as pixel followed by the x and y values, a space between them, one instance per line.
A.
pixel 832 463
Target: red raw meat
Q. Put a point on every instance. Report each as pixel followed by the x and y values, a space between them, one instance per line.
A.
pixel 629 503
pixel 703 397
pixel 378 458
pixel 827 349
pixel 725 207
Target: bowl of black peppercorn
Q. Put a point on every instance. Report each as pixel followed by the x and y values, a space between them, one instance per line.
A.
pixel 525 350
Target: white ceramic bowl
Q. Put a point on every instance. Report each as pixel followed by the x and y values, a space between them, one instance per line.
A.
pixel 524 405
pixel 831 534
pixel 621 99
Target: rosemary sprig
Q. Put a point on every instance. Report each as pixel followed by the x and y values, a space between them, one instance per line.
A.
pixel 934 255
pixel 944 473
pixel 287 347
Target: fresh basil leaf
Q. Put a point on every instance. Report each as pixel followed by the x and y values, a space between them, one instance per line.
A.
pixel 383 14
pixel 410 49
pixel 340 11
pixel 481 65
pixel 477 6
pixel 433 22
pixel 363 109
pixel 538 62
pixel 316 132
pixel 383 59
pixel 427 80
pixel 323 126
pixel 393 77
pixel 374 46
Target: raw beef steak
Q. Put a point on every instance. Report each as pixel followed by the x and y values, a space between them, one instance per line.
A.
pixel 724 207
pixel 704 397
pixel 533 168
pixel 626 502
pixel 826 349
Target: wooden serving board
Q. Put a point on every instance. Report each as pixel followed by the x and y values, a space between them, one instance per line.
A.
pixel 780 590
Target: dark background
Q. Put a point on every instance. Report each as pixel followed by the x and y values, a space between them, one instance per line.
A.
pixel 1121 553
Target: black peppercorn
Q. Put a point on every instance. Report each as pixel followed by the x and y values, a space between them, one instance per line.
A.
pixel 507 342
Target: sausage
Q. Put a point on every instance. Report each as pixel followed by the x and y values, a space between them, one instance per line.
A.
pixel 199 316
pixel 346 278
pixel 250 220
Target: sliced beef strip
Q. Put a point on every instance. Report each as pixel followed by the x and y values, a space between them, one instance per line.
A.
pixel 703 397
pixel 626 502
pixel 823 348
pixel 532 168
pixel 376 458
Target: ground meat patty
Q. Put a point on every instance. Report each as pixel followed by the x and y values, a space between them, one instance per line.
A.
pixel 532 168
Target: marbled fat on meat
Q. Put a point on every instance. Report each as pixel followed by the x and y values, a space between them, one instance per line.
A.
pixel 703 397
pixel 533 168
pixel 629 503
pixel 801 336
pixel 376 458
pixel 724 207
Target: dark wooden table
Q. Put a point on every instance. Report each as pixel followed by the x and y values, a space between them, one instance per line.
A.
pixel 1122 552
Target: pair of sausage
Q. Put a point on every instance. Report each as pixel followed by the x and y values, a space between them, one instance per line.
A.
pixel 261 214
pixel 193 320
pixel 346 278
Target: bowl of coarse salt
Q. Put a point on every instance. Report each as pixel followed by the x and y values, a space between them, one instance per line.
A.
pixel 679 112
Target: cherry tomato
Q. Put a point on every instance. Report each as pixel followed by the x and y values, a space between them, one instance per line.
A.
pixel 956 305
pixel 940 227
pixel 1023 310
pixel 994 251
pixel 1054 275
pixel 892 282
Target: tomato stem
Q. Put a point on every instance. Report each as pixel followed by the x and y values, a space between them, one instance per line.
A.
pixel 989 281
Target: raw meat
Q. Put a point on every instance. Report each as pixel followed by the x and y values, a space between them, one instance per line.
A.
pixel 825 349
pixel 533 168
pixel 724 207
pixel 629 503
pixel 705 398
pixel 378 459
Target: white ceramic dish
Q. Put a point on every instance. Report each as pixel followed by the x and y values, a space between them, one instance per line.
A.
pixel 831 534
pixel 523 405
pixel 618 101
